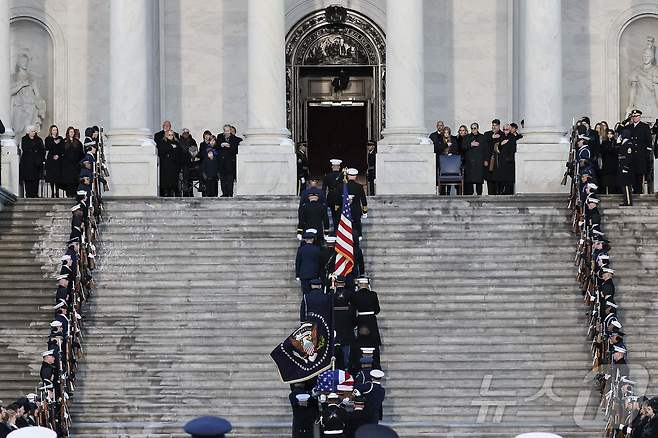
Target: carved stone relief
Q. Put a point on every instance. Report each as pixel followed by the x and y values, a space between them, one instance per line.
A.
pixel 32 77
pixel 639 69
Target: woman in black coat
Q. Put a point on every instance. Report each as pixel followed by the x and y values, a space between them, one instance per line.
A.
pixel 474 151
pixel 73 154
pixel 55 150
pixel 33 153
pixel 610 162
pixel 504 173
pixel 171 157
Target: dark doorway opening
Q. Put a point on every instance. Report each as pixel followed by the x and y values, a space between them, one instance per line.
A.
pixel 337 131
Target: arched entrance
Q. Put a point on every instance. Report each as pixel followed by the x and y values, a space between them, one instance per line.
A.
pixel 335 71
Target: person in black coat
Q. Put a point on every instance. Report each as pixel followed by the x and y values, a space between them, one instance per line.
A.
pixel 228 152
pixel 189 161
pixel 504 171
pixel 358 203
pixel 304 412
pixel 170 155
pixel 344 323
pixel 640 135
pixel 372 167
pixel 609 158
pixel 210 173
pixel 73 154
pixel 313 214
pixel 447 146
pixel 307 262
pixel 160 135
pixel 33 153
pixel 55 149
pixel 2 127
pixel 314 301
pixel 626 149
pixel 474 152
pixel 303 171
pixel 437 136
pixel 331 184
pixel 493 139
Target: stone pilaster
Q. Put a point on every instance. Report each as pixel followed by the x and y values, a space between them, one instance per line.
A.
pixel 266 161
pixel 131 152
pixel 405 157
pixel 542 153
pixel 9 155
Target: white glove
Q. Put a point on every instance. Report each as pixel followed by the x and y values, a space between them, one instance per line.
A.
pixel 364 216
pixel 303 180
pixel 297 278
pixel 299 237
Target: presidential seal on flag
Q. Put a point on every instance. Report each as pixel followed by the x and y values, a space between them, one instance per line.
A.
pixel 306 352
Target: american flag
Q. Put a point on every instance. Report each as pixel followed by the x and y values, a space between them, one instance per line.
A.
pixel 344 239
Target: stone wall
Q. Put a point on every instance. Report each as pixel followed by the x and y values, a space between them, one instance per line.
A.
pixel 470 58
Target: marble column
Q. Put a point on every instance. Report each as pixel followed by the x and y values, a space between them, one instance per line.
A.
pixel 132 157
pixel 405 157
pixel 9 152
pixel 266 159
pixel 542 153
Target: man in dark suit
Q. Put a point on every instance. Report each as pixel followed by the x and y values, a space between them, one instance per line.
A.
pixel 437 136
pixel 643 160
pixel 228 152
pixel 159 136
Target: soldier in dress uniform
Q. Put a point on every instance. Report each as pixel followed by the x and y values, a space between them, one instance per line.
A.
pixel 315 300
pixel 359 202
pixel 593 215
pixel 304 412
pixel 332 188
pixel 313 214
pixel 366 305
pixel 328 259
pixel 334 418
pixel 374 394
pixel 640 135
pixel 344 322
pixel 302 167
pixel 208 427
pixel 307 262
pixel 626 170
pixel 362 376
pixel 372 167
pixel 607 286
pixel 48 372
pixel 358 417
pixel 313 186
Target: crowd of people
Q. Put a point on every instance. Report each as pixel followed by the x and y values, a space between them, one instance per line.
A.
pixel 212 163
pixel 627 412
pixel 55 160
pixel 350 394
pixel 488 156
pixel 48 405
pixel 621 159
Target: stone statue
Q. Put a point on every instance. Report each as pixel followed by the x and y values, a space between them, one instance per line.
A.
pixel 28 107
pixel 644 83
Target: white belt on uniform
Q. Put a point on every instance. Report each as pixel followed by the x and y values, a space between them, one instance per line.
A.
pixel 364 313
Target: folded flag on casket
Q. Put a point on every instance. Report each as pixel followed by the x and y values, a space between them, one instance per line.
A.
pixel 307 351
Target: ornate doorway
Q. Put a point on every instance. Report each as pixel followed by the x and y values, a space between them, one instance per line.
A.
pixel 335 66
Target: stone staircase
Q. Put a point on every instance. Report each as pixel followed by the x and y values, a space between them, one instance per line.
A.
pixel 33 233
pixel 633 235
pixel 480 310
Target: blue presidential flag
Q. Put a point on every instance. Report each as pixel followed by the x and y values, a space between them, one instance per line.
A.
pixel 307 352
